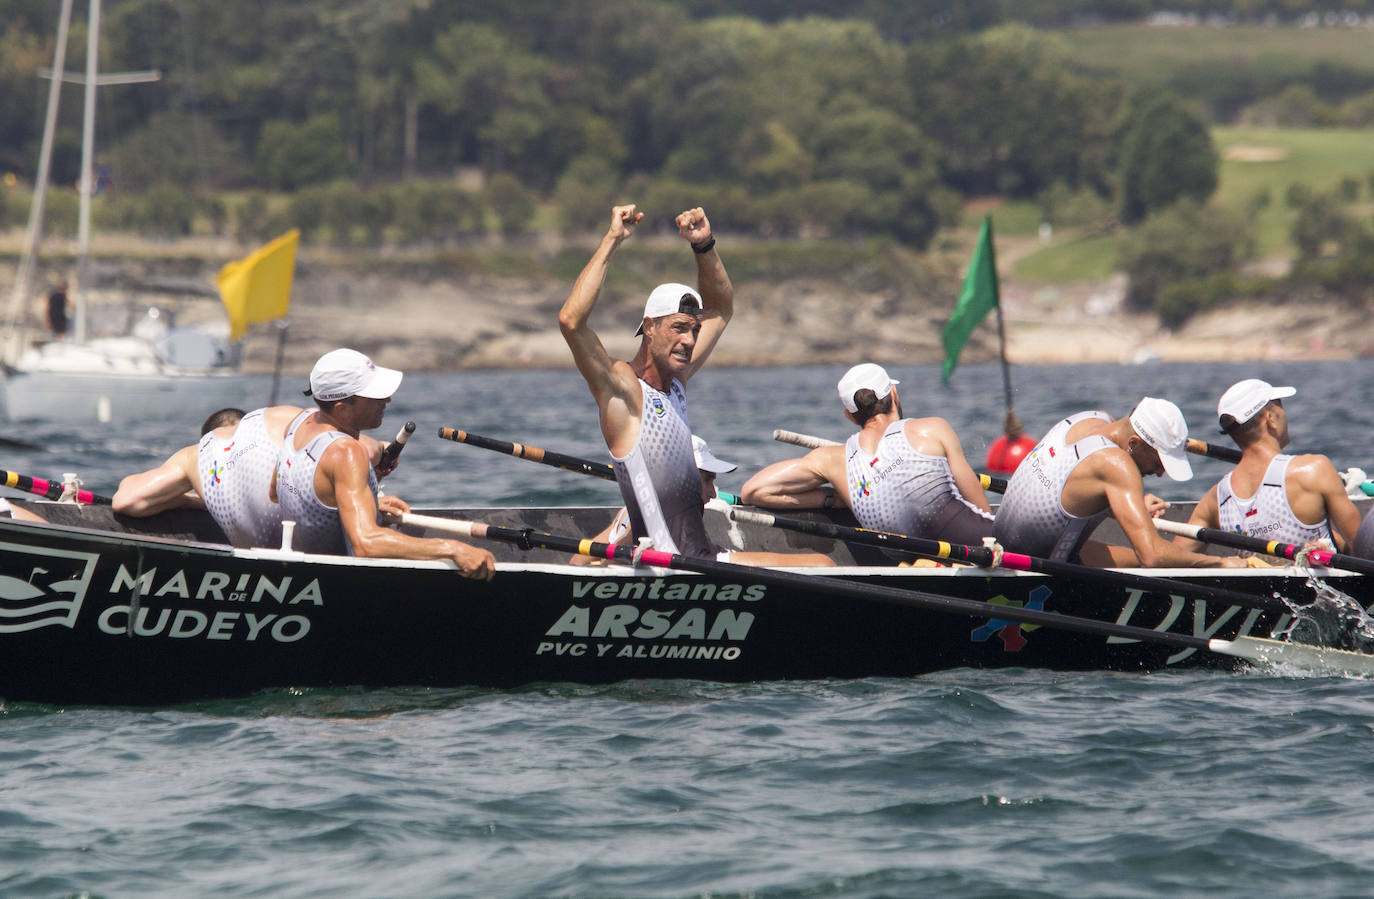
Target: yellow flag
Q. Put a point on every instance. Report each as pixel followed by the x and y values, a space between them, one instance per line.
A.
pixel 257 288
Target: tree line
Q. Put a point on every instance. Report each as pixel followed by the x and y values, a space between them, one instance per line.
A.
pixel 852 118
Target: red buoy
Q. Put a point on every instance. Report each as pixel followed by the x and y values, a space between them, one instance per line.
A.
pixel 1006 452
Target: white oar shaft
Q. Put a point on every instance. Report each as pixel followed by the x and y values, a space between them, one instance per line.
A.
pixel 1177 527
pixel 435 523
pixel 805 440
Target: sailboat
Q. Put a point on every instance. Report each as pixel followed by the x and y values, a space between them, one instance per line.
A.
pixel 152 370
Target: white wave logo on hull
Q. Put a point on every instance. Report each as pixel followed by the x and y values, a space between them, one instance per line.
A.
pixel 41 587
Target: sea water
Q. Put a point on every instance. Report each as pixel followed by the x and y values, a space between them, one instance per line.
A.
pixel 962 783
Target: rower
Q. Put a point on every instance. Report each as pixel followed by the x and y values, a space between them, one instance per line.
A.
pixel 227 473
pixel 642 402
pixel 1090 466
pixel 903 475
pixel 325 479
pixel 1269 494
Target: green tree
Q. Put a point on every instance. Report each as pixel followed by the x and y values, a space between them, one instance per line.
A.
pixel 313 152
pixel 1167 155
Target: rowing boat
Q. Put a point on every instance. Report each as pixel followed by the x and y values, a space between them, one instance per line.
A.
pixel 101 609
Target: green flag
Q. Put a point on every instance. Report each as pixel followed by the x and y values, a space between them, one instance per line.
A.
pixel 976 300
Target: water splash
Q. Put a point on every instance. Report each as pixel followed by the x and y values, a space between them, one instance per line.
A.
pixel 1332 619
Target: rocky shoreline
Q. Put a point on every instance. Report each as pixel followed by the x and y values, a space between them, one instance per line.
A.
pixel 484 321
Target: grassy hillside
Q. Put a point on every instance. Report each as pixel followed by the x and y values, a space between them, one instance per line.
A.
pixel 1152 54
pixel 1254 161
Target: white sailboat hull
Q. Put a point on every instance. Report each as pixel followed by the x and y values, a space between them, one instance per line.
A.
pixel 116 380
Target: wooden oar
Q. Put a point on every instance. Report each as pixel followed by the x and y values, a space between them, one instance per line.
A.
pixel 547 457
pixel 1212 451
pixel 387 463
pixel 1232 455
pixel 601 470
pixel 1291 551
pixel 1255 649
pixel 987 481
pixel 50 489
pixel 984 557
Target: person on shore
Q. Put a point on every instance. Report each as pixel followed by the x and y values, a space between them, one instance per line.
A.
pixel 228 473
pixel 1291 499
pixel 1090 466
pixel 903 475
pixel 325 481
pixel 642 403
pixel 58 322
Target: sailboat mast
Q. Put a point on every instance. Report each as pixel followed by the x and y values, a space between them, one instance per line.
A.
pixel 23 278
pixel 83 228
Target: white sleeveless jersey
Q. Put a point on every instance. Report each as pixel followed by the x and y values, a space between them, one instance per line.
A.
pixel 908 492
pixel 659 480
pixel 235 478
pixel 318 528
pixel 1031 518
pixel 1267 514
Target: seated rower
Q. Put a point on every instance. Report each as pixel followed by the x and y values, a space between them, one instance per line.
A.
pixel 228 473
pixel 1291 499
pixel 903 475
pixel 1090 466
pixel 325 480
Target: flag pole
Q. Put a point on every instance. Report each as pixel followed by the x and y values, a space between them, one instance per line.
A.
pixel 1011 425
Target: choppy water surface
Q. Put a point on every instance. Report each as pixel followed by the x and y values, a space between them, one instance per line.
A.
pixel 966 783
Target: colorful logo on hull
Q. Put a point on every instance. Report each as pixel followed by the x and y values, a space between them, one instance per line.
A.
pixel 1011 633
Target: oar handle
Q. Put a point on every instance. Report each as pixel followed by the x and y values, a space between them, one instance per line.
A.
pixel 387 463
pixel 1290 551
pixel 50 489
pixel 805 440
pixel 987 481
pixel 1212 451
pixel 984 557
pixel 531 453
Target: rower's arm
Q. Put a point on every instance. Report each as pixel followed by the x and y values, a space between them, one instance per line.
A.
pixel 799 483
pixel 965 478
pixel 169 486
pixel 1126 496
pixel 344 468
pixel 1315 475
pixel 717 293
pixel 589 354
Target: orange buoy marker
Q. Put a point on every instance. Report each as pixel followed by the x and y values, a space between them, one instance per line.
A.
pixel 1007 451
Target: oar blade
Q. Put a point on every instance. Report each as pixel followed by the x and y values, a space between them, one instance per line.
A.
pixel 1320 660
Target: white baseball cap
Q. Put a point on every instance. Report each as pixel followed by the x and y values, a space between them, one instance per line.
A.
pixel 1243 400
pixel 706 460
pixel 1160 424
pixel 340 374
pixel 666 299
pixel 867 375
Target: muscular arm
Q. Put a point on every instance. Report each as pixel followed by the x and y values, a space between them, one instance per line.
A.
pixel 717 293
pixel 612 383
pixel 1125 493
pixel 1316 491
pixel 342 478
pixel 934 436
pixel 798 483
pixel 169 486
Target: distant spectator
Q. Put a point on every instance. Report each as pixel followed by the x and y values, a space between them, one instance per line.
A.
pixel 57 310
